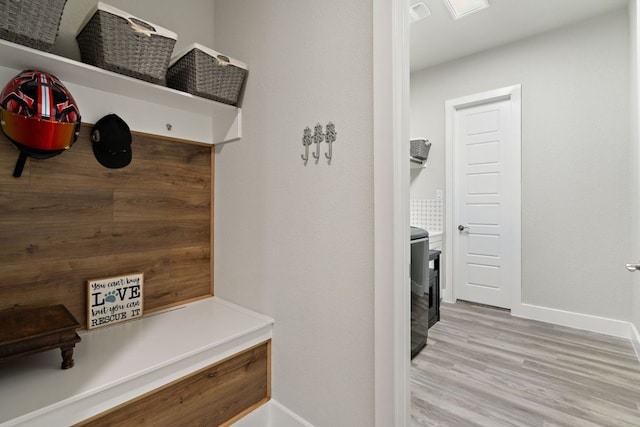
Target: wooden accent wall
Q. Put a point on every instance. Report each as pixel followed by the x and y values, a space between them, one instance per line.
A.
pixel 68 219
pixel 217 395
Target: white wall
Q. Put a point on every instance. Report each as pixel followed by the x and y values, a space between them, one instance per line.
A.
pixel 191 20
pixel 575 148
pixel 294 241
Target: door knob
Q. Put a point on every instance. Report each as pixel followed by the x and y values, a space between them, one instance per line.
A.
pixel 462 227
pixel 633 267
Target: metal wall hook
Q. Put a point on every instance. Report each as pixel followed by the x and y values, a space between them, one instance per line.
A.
pixel 306 141
pixel 632 267
pixel 318 137
pixel 330 137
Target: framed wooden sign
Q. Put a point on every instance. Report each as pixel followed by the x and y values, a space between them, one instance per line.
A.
pixel 114 299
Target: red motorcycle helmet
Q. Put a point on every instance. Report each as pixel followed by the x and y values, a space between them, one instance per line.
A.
pixel 38 115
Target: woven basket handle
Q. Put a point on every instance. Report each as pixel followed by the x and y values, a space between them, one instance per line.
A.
pixel 222 60
pixel 141 27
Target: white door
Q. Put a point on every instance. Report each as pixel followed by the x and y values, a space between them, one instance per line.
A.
pixel 484 250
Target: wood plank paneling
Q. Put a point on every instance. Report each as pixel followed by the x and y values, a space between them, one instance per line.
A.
pixel 156 165
pixel 67 219
pixel 34 243
pixel 9 156
pixel 41 206
pixel 149 205
pixel 209 397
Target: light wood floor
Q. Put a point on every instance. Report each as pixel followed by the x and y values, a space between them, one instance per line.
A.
pixel 482 367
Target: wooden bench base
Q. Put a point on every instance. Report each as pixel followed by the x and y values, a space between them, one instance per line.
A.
pixel 32 330
pixel 217 395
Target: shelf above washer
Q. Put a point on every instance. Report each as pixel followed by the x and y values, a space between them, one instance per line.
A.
pixel 417 163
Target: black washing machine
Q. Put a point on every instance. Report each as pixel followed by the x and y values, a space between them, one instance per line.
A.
pixel 419 289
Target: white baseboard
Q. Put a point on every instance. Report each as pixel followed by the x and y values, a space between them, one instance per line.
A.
pixel 601 325
pixel 635 340
pixel 282 416
pixel 257 418
pixel 272 414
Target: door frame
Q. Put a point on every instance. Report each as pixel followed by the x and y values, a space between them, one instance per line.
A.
pixel 514 95
pixel 391 213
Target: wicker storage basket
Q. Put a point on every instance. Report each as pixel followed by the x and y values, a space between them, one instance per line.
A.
pixel 206 73
pixel 30 22
pixel 116 41
pixel 420 149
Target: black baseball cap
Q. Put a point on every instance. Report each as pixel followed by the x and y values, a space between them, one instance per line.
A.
pixel 111 140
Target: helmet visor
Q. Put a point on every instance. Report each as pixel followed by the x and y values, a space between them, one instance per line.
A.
pixel 37 133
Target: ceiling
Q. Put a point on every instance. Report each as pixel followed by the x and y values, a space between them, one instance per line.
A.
pixel 438 38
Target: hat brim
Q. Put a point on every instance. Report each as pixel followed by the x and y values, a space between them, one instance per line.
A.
pixel 112 161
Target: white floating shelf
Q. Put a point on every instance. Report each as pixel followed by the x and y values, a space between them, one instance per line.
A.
pixel 146 107
pixel 417 163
